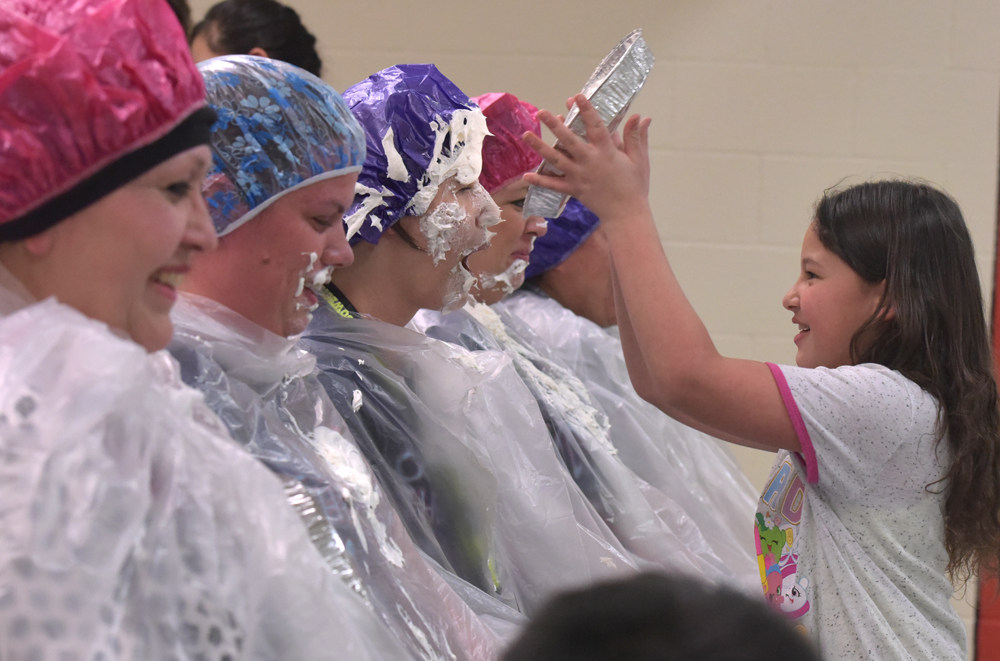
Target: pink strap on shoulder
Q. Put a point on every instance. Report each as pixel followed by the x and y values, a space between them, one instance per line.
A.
pixel 808 453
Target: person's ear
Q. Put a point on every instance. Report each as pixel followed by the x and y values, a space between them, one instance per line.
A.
pixel 39 245
pixel 258 51
pixel 888 311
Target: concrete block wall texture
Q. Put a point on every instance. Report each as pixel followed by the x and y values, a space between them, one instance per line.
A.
pixel 757 106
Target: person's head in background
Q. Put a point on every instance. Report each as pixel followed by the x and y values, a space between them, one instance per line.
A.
pixel 255 27
pixel 658 617
pixel 571 263
pixel 183 12
pixel 420 210
pixel 284 169
pixel 100 203
pixel 499 269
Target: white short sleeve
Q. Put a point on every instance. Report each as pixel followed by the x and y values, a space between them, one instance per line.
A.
pixel 854 421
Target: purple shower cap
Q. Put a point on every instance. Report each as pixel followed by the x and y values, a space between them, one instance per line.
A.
pixel 565 234
pixel 420 130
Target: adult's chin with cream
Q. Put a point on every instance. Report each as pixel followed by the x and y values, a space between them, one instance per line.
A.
pixel 454 229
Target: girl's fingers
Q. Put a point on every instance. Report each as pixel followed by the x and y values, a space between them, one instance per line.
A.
pixel 568 141
pixel 558 157
pixel 636 136
pixel 558 184
pixel 597 132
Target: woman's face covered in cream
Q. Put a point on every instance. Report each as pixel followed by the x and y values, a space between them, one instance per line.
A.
pixel 455 225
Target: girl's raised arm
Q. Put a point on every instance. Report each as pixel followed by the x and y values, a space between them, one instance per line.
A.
pixel 670 356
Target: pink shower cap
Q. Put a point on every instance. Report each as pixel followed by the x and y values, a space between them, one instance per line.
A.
pixel 92 94
pixel 505 156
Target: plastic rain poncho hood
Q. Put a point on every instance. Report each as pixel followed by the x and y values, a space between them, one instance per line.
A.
pixel 565 234
pixel 279 128
pixel 693 468
pixel 647 522
pixel 265 390
pixel 420 130
pixel 449 428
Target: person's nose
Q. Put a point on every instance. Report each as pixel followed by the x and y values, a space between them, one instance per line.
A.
pixel 337 252
pixel 537 225
pixel 790 300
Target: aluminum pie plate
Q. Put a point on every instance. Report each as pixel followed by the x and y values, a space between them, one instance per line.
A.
pixel 611 89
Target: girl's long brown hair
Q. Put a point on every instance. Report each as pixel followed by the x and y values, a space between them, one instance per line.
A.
pixel 914 238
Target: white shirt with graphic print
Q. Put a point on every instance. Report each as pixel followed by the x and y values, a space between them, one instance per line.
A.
pixel 850 540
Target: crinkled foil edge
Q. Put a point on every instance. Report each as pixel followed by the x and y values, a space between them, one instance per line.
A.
pixel 611 100
pixel 324 537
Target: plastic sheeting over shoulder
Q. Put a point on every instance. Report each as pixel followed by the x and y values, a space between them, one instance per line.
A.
pixel 650 524
pixel 132 527
pixel 692 467
pixel 264 388
pixel 441 424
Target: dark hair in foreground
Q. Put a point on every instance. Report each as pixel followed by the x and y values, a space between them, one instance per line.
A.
pixel 655 617
pixel 183 13
pixel 914 238
pixel 235 27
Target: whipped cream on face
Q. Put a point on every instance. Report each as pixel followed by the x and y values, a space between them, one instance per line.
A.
pixel 322 276
pixel 505 281
pixel 448 228
pixel 313 280
pixel 441 227
pixel 458 289
pixel 466 130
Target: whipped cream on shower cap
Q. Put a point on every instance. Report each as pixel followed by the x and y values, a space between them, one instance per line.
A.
pixel 280 128
pixel 506 156
pixel 564 235
pixel 421 130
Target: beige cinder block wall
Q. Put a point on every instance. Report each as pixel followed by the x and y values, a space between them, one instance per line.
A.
pixel 758 105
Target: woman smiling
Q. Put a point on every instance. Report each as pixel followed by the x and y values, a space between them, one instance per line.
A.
pixel 132 525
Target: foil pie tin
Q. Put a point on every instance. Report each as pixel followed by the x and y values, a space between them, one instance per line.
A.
pixel 611 89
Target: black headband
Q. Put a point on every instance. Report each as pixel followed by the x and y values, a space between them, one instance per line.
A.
pixel 193 131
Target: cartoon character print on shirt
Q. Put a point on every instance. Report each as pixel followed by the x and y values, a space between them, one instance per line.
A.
pixel 779 512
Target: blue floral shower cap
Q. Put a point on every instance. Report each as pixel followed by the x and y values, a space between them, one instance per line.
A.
pixel 565 234
pixel 421 129
pixel 280 128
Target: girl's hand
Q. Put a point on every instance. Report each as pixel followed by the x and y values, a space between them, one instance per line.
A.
pixel 609 175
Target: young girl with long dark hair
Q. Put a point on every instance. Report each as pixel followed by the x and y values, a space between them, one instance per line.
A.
pixel 887 479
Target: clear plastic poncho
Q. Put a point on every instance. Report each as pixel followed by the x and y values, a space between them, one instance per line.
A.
pixel 651 525
pixel 265 391
pixel 131 525
pixel 693 468
pixel 443 424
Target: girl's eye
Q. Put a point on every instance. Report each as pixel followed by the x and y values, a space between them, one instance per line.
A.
pixel 518 204
pixel 810 275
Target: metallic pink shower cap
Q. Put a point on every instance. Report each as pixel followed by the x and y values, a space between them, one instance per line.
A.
pixel 83 83
pixel 505 155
